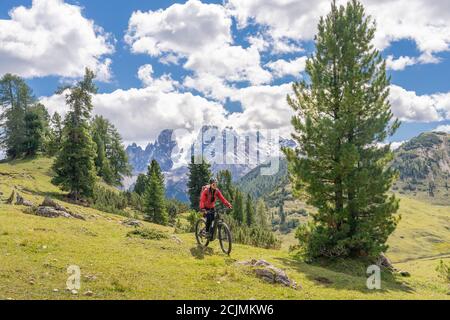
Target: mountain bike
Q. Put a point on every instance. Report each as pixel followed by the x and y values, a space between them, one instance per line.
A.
pixel 219 229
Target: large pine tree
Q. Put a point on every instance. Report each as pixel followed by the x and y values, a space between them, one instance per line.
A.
pixel 111 161
pixel 154 195
pixel 75 167
pixel 16 98
pixel 36 130
pixel 342 116
pixel 141 182
pixel 55 134
pixel 199 175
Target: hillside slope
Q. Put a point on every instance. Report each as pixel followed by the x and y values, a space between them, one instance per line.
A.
pixel 35 253
pixel 424 167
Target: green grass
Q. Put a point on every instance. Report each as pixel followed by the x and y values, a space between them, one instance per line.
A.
pixel 35 253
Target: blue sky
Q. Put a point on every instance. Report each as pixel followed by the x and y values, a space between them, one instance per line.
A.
pixel 263 43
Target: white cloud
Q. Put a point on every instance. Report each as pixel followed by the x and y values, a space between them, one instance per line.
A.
pixel 53 38
pixel 443 128
pixel 264 107
pixel 165 83
pixel 134 111
pixel 210 86
pixel 427 23
pixel 283 68
pixel 400 63
pixel 181 28
pixel 232 63
pixel 408 106
pixel 201 34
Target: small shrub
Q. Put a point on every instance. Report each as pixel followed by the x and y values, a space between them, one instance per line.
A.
pixel 254 236
pixel 148 234
pixel 110 201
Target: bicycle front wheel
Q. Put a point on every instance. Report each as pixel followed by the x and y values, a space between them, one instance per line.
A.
pixel 225 238
pixel 200 233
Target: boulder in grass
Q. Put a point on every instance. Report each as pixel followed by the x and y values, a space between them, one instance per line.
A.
pixel 269 273
pixel 384 261
pixel 20 201
pixel 132 223
pixel 48 202
pixel 11 197
pixel 49 212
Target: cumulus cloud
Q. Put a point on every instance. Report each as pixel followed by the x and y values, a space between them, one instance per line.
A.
pixel 181 29
pixel 400 63
pixel 283 68
pixel 264 107
pixel 134 111
pixel 408 106
pixel 427 23
pixel 53 38
pixel 201 34
pixel 165 83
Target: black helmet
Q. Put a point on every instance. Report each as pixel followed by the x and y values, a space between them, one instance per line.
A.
pixel 212 180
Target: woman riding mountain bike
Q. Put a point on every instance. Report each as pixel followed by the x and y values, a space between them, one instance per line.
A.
pixel 206 229
pixel 208 198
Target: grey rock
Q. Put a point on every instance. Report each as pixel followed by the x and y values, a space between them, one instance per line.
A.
pixel 269 273
pixel 132 223
pixel 20 201
pixel 48 202
pixel 50 212
pixel 384 261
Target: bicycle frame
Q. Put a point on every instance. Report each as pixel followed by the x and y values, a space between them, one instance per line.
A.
pixel 215 224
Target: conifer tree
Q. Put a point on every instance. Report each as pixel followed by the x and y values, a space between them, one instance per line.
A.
pixel 140 185
pixel 15 99
pixel 111 161
pixel 342 116
pixel 199 175
pixel 36 130
pixel 238 208
pixel 75 167
pixel 262 214
pixel 154 195
pixel 249 211
pixel 55 134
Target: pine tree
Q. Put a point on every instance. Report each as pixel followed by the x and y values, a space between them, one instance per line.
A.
pixel 224 179
pixel 111 161
pixel 154 195
pixel 99 132
pixel 75 167
pixel 262 214
pixel 238 208
pixel 199 175
pixel 55 134
pixel 282 213
pixel 36 130
pixel 15 99
pixel 249 211
pixel 141 182
pixel 342 114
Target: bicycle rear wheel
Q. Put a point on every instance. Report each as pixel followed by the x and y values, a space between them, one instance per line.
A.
pixel 202 240
pixel 225 238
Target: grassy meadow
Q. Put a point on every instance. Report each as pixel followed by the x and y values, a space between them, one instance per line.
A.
pixel 35 253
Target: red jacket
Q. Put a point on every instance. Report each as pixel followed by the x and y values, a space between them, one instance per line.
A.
pixel 208 200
